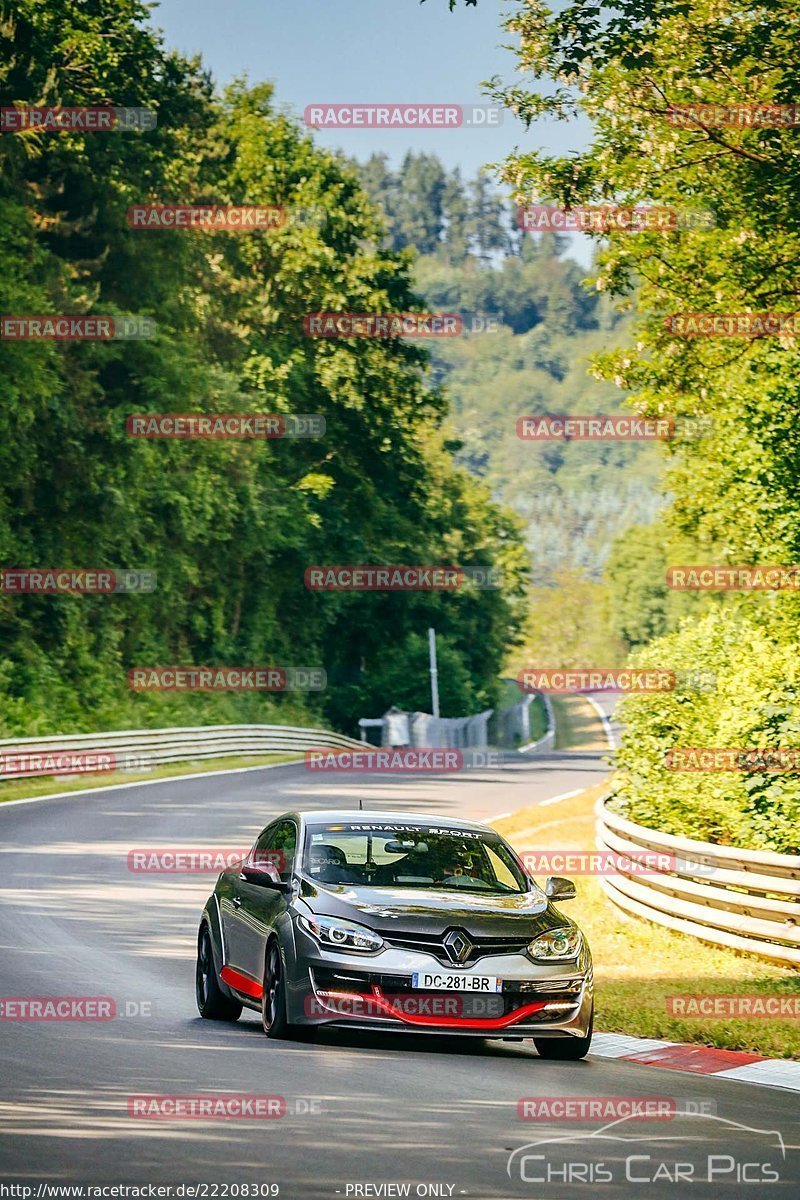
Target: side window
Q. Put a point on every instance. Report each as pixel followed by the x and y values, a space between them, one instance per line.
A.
pixel 284 844
pixel 263 843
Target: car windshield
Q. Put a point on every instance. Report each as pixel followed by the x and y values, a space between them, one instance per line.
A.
pixel 389 854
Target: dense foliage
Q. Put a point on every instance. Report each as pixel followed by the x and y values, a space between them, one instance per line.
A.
pixel 229 527
pixel 738 687
pixel 735 490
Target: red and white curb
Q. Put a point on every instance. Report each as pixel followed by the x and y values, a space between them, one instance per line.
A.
pixel 700 1060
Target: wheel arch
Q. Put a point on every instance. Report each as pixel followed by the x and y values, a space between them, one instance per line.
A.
pixel 211 920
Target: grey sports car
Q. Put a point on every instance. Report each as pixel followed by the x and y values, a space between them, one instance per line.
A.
pixel 394 921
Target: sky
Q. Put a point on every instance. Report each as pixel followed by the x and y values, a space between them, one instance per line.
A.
pixel 340 51
pixel 362 51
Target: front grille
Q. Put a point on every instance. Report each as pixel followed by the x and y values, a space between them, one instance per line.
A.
pixel 431 943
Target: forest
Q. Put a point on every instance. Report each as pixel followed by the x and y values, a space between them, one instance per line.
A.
pixel 228 527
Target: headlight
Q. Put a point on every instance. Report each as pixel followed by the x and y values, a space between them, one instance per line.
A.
pixel 342 935
pixel 557 945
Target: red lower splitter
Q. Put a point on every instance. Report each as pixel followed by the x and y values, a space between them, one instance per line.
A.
pixel 703 1060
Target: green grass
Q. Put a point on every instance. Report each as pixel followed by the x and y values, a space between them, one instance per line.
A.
pixel 638 964
pixel 511 695
pixel 23 789
pixel 538 716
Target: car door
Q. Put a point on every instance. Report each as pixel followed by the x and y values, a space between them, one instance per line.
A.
pixel 252 911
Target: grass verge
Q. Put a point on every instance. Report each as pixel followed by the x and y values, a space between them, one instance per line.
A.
pixel 24 789
pixel 538 719
pixel 638 965
pixel 510 695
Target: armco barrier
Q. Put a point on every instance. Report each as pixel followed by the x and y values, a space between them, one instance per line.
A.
pixel 745 899
pixel 137 748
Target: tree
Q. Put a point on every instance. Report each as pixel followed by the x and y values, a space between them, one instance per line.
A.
pixel 229 527
pixel 641 74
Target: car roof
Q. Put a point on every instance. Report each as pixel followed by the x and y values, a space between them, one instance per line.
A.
pixel 327 815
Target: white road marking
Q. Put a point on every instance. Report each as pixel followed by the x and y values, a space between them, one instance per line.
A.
pixel 562 796
pixel 119 787
pixel 606 723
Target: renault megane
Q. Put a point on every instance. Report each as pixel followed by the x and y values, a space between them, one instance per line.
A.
pixel 394 921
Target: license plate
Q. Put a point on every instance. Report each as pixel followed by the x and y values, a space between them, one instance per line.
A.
pixel 434 981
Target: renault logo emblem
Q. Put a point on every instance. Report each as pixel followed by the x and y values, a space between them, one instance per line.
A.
pixel 458 946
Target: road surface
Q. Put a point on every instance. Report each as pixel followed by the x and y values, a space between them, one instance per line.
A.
pixel 435 1116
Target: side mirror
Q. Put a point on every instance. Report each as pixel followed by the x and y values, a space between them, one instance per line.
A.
pixel 556 887
pixel 266 876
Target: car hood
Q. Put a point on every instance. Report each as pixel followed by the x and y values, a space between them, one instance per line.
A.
pixel 433 911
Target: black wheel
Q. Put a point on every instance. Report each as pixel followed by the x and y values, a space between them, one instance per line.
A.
pixel 212 1003
pixel 273 997
pixel 565 1048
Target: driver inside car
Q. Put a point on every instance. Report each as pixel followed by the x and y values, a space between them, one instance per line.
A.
pixel 462 868
pixel 328 864
pixel 455 865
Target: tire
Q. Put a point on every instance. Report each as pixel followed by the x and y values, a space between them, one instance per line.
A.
pixel 273 996
pixel 565 1048
pixel 212 1003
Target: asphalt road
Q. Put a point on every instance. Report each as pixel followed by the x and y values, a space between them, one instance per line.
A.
pixel 437 1115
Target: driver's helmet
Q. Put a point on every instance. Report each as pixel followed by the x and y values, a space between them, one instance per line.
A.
pixel 327 863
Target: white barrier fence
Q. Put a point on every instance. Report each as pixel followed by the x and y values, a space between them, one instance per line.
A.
pixel 509 727
pixel 745 899
pixel 142 749
pixel 423 731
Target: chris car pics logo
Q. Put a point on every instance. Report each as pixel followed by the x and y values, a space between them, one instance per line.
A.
pixel 683 1155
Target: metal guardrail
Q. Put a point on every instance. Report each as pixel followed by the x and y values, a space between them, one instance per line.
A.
pixel 745 899
pixel 139 749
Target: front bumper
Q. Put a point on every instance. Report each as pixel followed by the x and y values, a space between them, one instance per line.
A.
pixel 358 991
